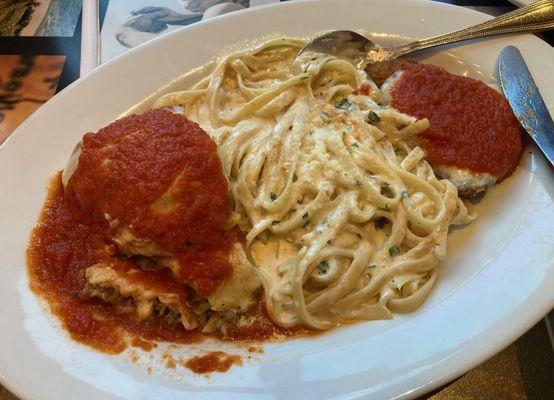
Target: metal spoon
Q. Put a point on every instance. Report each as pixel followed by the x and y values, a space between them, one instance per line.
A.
pixel 350 45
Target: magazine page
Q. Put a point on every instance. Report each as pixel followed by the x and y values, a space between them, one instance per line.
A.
pixel 129 23
pixel 39 55
pixel 39 18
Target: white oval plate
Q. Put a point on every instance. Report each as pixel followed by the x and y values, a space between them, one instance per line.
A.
pixel 498 280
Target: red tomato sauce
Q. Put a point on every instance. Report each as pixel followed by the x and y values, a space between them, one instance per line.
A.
pixel 362 90
pixel 216 361
pixel 471 125
pixel 160 174
pixel 123 169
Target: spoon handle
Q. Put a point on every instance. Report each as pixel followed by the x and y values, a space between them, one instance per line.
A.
pixel 537 16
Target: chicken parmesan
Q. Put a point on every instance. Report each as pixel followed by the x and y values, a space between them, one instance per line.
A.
pixel 474 139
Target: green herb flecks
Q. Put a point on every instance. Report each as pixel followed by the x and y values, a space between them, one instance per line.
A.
pixel 323 267
pixel 373 118
pixel 394 250
pixel 343 104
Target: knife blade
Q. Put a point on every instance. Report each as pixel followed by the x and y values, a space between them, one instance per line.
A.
pixel 526 101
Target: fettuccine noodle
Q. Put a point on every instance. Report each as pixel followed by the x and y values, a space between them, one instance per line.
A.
pixel 343 216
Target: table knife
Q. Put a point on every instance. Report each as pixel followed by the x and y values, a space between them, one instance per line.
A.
pixel 526 101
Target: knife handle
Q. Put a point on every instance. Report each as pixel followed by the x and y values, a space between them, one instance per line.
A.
pixel 537 16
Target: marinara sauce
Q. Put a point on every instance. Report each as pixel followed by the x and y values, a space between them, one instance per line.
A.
pixel 159 174
pixel 123 170
pixel 215 361
pixel 471 125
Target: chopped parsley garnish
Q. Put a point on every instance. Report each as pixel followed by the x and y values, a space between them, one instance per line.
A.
pixel 394 250
pixel 343 104
pixel 373 266
pixel 405 194
pixel 273 223
pixel 323 267
pixel 355 144
pixel 273 196
pixel 329 242
pixel 373 118
pixel 380 223
pixel 306 217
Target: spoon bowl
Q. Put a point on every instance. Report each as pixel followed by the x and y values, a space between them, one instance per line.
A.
pixel 348 45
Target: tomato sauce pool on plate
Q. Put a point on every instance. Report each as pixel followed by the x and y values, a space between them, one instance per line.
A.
pixel 147 156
